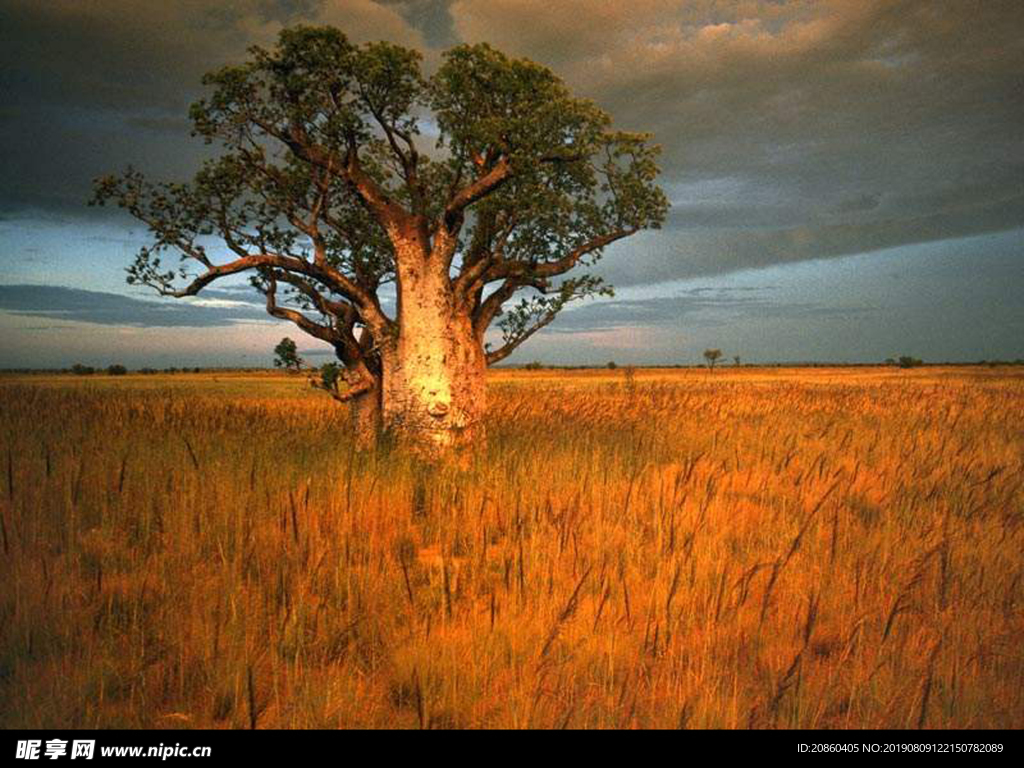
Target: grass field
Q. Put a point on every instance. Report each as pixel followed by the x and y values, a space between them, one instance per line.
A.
pixel 809 548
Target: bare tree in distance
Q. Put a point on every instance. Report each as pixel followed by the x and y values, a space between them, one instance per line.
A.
pixel 326 197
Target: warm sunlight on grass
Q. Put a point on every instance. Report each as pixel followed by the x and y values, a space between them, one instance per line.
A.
pixel 821 548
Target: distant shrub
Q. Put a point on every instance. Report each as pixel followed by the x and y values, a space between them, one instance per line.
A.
pixel 534 366
pixel 148 371
pixel 330 373
pixel 116 370
pixel 611 365
pixel 82 370
pixel 906 361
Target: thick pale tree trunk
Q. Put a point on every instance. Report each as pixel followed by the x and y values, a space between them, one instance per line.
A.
pixel 434 387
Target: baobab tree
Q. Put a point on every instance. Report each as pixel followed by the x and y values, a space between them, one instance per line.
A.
pixel 326 197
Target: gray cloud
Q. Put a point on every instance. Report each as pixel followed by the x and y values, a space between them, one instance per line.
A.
pixel 702 250
pixel 92 87
pixel 431 17
pixel 126 54
pixel 791 131
pixel 801 129
pixel 866 202
pixel 695 308
pixel 74 304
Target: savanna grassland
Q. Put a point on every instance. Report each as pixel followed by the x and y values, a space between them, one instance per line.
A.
pixel 817 548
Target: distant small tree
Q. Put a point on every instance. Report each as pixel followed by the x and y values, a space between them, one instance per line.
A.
pixel 736 359
pixel 611 365
pixel 116 370
pixel 534 366
pixel 82 370
pixel 890 361
pixel 712 356
pixel 906 361
pixel 287 355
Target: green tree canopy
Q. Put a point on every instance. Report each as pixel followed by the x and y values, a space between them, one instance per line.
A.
pixel 286 355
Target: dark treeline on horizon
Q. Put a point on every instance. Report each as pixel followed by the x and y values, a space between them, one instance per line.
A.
pixel 117 370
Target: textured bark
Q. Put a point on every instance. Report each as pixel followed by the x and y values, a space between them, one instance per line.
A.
pixel 434 394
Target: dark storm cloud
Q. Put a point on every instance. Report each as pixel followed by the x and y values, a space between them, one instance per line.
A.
pixel 791 130
pixel 73 304
pixel 92 87
pixel 834 126
pixel 138 54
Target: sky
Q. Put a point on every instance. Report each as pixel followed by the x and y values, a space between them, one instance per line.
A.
pixel 846 176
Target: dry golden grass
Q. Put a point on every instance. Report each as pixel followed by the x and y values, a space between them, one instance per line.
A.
pixel 820 548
